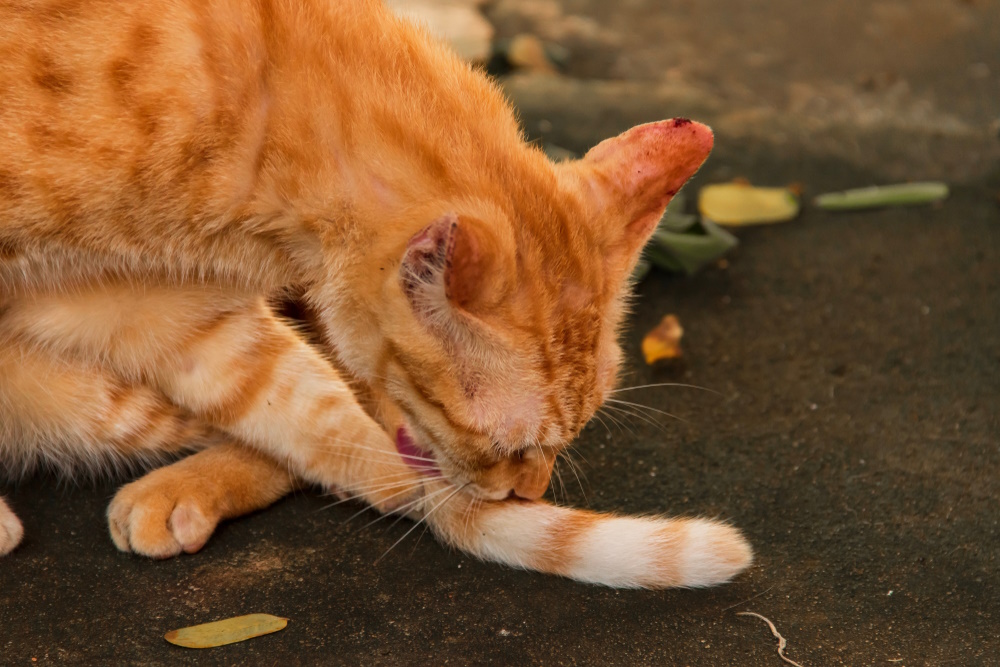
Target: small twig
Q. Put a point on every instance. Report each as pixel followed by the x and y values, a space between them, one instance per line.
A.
pixel 769 589
pixel 777 635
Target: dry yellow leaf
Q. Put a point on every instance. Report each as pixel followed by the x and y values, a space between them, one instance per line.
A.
pixel 228 631
pixel 663 342
pixel 736 204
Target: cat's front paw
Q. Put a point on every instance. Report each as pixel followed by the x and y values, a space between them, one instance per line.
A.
pixel 160 518
pixel 11 530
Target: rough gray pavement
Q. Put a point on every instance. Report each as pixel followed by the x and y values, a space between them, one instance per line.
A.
pixel 853 436
pixel 910 88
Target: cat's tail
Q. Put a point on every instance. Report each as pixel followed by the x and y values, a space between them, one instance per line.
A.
pixel 619 551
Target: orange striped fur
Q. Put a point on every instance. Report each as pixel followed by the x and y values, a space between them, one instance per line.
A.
pixel 168 167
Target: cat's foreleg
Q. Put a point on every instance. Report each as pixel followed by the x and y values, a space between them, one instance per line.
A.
pixel 11 530
pixel 176 508
pixel 73 415
pixel 253 376
pixel 59 405
pixel 220 358
pixel 81 417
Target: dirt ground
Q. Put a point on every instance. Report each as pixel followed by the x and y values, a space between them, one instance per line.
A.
pixel 851 430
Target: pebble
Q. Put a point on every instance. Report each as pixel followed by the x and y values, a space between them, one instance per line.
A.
pixel 458 22
pixel 527 52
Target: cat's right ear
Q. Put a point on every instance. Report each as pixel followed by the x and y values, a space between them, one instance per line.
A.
pixel 454 265
pixel 628 180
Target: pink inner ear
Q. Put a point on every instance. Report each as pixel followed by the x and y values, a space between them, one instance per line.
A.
pixel 427 251
pixel 460 260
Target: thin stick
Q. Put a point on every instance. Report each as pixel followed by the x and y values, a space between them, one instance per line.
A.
pixel 770 588
pixel 777 635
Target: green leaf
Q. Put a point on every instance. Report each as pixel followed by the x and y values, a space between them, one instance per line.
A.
pixel 682 243
pixel 901 194
pixel 674 218
pixel 690 252
pixel 738 204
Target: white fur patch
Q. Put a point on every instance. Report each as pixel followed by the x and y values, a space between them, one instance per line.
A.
pixel 621 552
pixel 514 535
pixel 712 553
pixel 11 530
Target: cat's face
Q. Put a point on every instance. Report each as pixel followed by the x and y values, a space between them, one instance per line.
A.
pixel 500 325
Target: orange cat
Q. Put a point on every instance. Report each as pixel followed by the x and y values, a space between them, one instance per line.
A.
pixel 167 166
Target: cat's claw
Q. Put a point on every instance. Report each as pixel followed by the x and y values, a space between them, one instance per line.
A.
pixel 152 521
pixel 11 530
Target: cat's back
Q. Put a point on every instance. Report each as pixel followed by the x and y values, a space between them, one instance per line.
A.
pixel 106 103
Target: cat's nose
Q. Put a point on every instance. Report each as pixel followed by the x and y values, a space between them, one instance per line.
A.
pixel 533 478
pixel 531 491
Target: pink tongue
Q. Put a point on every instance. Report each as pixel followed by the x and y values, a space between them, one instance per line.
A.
pixel 414 456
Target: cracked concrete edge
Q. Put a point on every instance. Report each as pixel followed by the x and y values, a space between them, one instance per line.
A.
pixel 570 112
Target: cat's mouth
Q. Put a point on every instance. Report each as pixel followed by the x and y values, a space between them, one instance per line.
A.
pixel 415 457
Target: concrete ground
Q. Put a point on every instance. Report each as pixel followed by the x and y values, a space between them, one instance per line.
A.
pixel 854 435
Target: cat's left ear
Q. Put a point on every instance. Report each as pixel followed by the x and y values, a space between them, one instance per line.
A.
pixel 455 264
pixel 630 179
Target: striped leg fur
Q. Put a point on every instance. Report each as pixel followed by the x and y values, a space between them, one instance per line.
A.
pixel 196 357
pixel 73 416
pixel 254 377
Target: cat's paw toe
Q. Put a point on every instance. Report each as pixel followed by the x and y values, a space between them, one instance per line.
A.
pixel 154 522
pixel 11 530
pixel 190 527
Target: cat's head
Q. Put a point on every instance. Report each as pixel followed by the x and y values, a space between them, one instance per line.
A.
pixel 493 336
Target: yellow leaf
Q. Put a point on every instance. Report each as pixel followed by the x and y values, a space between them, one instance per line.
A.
pixel 228 631
pixel 736 204
pixel 663 342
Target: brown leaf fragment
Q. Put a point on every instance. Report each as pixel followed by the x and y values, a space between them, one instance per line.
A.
pixel 663 342
pixel 227 631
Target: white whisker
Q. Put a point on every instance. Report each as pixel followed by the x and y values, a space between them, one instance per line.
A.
pixel 615 421
pixel 667 384
pixel 422 520
pixel 398 475
pixel 401 511
pixel 646 407
pixel 636 415
pixel 603 423
pixel 357 493
pixel 574 469
pixel 391 453
pixel 365 509
pixel 562 486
